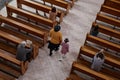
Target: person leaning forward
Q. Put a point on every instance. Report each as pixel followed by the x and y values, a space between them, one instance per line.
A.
pixel 24 50
pixel 55 39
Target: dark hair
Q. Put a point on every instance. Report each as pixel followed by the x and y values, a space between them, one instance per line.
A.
pixel 57 28
pixel 100 55
pixel 95 27
pixel 66 40
pixel 53 9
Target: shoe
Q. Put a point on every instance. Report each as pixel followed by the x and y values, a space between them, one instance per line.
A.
pixel 60 59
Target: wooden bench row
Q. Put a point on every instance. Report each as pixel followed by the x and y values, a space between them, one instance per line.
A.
pixel 74 76
pixel 20 26
pixel 71 2
pixel 104 43
pixel 109 59
pixel 4 76
pixel 17 37
pixel 30 16
pixel 22 65
pixel 12 36
pixel 59 3
pixel 108 31
pixel 40 7
pixel 109 20
pixel 110 10
pixel 112 3
pixel 83 66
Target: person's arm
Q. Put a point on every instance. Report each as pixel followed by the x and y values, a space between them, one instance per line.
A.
pixel 68 48
pixel 60 38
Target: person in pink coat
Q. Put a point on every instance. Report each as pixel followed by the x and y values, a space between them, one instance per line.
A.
pixel 64 49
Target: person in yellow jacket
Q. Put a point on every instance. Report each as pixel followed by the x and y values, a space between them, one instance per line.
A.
pixel 55 39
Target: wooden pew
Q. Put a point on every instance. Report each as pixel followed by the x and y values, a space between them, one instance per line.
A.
pixel 9 70
pixel 109 20
pixel 23 65
pixel 16 40
pixel 20 36
pixel 102 42
pixel 110 10
pixel 112 3
pixel 74 76
pixel 29 16
pixel 32 30
pixel 59 3
pixel 109 59
pixel 71 2
pixel 6 47
pixel 108 31
pixel 40 7
pixel 84 67
pixel 4 76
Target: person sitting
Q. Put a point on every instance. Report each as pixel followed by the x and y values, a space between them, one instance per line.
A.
pixel 98 60
pixel 24 50
pixel 94 31
pixel 53 14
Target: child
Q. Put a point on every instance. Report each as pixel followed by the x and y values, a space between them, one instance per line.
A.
pixel 53 14
pixel 65 48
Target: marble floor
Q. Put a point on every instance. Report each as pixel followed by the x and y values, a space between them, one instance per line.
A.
pixel 75 26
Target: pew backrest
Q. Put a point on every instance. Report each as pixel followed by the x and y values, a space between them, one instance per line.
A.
pixel 108 31
pixel 59 3
pixel 113 3
pixel 38 6
pixel 23 13
pixel 109 20
pixel 110 10
pixel 15 61
pixel 102 42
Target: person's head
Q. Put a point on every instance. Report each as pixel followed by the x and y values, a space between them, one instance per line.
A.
pixel 23 43
pixel 96 28
pixel 101 54
pixel 57 28
pixel 66 40
pixel 28 43
pixel 53 9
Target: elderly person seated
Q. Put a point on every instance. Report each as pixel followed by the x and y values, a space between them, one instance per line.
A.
pixel 24 50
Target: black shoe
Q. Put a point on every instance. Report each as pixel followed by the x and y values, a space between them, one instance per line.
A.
pixel 50 54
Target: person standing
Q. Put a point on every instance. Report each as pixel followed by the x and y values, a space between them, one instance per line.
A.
pixel 53 14
pixel 98 60
pixel 55 39
pixel 64 49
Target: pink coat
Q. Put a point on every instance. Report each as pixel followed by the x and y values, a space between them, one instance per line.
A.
pixel 65 48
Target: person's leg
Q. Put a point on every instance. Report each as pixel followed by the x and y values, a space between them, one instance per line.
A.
pixel 61 58
pixel 28 57
pixel 57 47
pixel 50 52
pixel 51 47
